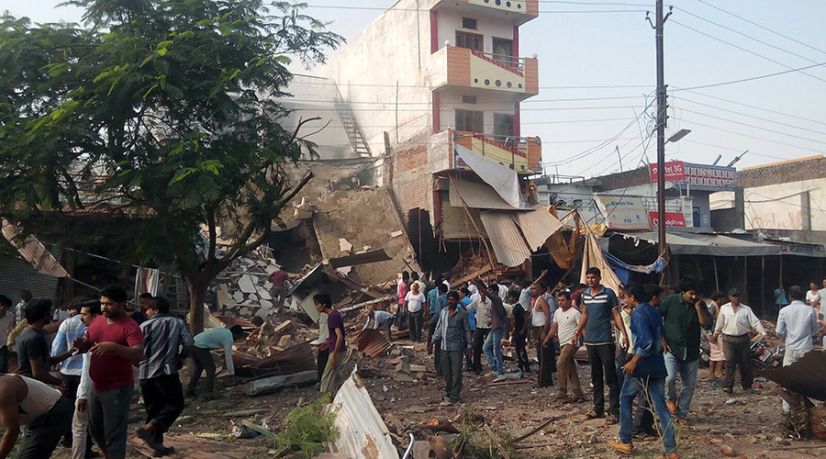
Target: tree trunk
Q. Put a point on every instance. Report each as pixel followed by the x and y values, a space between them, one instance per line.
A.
pixel 197 292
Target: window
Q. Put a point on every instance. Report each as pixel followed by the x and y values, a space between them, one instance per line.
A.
pixel 469 23
pixel 469 40
pixel 502 125
pixel 503 50
pixel 468 99
pixel 470 121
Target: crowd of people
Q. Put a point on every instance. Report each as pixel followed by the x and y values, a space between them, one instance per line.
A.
pixel 96 344
pixel 640 342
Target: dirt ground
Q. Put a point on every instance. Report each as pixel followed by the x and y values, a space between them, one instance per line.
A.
pixel 745 422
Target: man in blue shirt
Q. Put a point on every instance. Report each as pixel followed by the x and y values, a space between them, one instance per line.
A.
pixel 214 338
pixel 646 370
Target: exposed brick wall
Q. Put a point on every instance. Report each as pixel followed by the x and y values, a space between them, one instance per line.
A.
pixel 412 180
pixel 783 172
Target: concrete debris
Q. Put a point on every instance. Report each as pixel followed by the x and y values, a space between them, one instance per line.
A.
pixel 276 383
pixel 396 233
pixel 345 246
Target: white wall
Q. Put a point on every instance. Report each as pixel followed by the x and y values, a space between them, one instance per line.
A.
pixel 779 206
pixel 394 48
pixel 450 22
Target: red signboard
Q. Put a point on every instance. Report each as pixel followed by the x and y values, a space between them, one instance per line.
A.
pixel 674 171
pixel 672 219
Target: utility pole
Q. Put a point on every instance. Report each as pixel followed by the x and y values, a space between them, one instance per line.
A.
pixel 662 119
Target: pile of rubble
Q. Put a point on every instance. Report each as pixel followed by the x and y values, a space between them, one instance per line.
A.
pixel 245 287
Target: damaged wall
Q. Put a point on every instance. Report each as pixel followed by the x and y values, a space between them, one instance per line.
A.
pixel 362 215
pixel 366 220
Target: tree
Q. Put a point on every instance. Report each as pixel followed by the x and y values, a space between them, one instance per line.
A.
pixel 162 110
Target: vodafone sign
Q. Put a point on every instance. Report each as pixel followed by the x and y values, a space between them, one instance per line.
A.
pixel 672 219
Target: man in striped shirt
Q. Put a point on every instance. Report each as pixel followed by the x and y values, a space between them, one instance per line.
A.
pixel 165 341
pixel 70 330
pixel 600 307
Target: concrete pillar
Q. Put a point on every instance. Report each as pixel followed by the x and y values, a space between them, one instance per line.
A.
pixel 805 211
pixel 739 208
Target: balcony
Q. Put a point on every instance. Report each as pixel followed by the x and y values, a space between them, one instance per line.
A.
pixel 519 11
pixel 522 154
pixel 466 68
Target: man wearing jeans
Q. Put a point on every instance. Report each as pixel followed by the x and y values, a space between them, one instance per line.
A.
pixel 645 371
pixel 116 344
pixel 599 307
pixel 493 343
pixel 684 314
pixel 453 335
pixel 797 323
pixel 735 322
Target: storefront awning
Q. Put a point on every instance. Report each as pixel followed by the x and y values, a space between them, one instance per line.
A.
pixel 710 244
pixel 515 235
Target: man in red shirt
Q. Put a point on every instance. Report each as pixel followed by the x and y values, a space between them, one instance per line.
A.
pixel 116 344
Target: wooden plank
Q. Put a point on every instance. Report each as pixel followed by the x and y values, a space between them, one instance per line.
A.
pixel 470 277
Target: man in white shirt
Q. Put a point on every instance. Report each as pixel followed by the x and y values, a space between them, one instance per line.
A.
pixel 416 300
pixel 565 323
pixel 797 323
pixel 735 323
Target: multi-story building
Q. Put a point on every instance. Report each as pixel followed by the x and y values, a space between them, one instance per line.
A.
pixel 439 85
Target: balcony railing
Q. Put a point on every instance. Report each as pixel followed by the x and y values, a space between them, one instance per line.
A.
pixel 464 67
pixel 510 63
pixel 522 154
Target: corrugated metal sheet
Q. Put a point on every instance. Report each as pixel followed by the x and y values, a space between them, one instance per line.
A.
pixel 537 226
pixel 476 195
pixel 807 376
pixel 363 432
pixel 710 244
pixel 505 237
pixel 16 274
pixel 456 225
pixel 33 251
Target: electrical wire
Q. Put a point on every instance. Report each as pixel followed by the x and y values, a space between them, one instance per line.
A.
pixel 420 10
pixel 746 50
pixel 780 123
pixel 717 128
pixel 762 27
pixel 743 34
pixel 758 77
pixel 727 120
pixel 767 110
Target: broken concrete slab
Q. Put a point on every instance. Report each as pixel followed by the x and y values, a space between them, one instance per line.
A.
pixel 344 245
pixel 276 383
pixel 246 284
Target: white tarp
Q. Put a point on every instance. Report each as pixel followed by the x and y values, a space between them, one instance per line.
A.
pixel 475 195
pixel 503 180
pixel 592 258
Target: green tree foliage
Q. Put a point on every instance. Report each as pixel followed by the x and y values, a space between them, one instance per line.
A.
pixel 306 429
pixel 162 110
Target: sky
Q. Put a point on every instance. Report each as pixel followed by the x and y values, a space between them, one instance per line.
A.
pixel 597 74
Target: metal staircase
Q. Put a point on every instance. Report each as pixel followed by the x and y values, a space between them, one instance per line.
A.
pixel 351 127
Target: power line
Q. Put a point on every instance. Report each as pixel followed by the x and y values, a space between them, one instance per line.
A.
pixel 768 110
pixel 393 85
pixel 478 102
pixel 550 109
pixel 780 123
pixel 717 128
pixel 758 77
pixel 420 10
pixel 762 27
pixel 754 126
pixel 393 126
pixel 747 51
pixel 733 149
pixel 747 36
